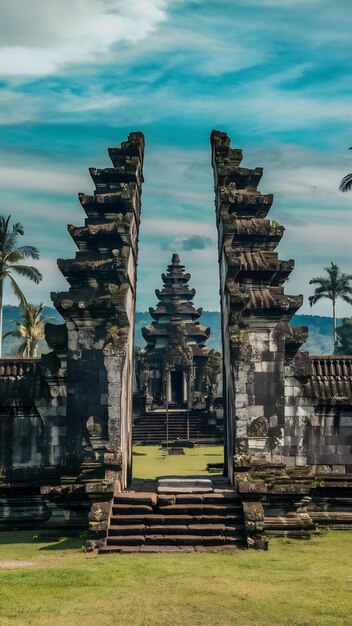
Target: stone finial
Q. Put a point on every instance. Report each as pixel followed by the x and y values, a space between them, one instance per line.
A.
pixel 175 259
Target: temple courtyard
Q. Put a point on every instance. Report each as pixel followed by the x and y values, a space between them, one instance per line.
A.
pixel 295 583
pixel 152 461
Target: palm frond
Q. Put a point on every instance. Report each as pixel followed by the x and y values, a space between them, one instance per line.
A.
pixel 30 272
pixel 319 281
pixel 4 227
pixel 322 289
pixel 346 183
pixel 11 237
pixel 12 257
pixel 12 333
pixel 17 291
pixel 29 252
pixel 346 298
pixel 316 297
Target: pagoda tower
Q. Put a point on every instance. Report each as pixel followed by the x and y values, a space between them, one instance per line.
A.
pixel 176 354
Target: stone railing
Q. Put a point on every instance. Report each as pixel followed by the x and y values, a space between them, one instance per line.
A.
pixel 17 369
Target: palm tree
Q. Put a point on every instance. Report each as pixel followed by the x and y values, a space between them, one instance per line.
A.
pixel 346 183
pixel 11 257
pixel 335 285
pixel 30 331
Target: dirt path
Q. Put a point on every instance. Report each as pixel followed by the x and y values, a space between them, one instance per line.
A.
pixel 15 564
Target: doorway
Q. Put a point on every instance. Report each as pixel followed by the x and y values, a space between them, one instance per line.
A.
pixel 177 387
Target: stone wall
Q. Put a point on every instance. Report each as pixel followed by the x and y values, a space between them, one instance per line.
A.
pixel 318 422
pixel 33 412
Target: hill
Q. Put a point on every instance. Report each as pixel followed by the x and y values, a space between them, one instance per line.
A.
pixel 319 342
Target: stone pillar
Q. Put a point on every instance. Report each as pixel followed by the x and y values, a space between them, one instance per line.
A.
pixel 99 312
pixel 253 303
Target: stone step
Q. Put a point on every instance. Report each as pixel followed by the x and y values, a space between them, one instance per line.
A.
pixel 202 509
pixel 192 510
pixel 165 549
pixel 184 485
pixel 209 516
pixel 133 509
pixel 180 540
pixel 127 529
pixel 125 540
pixel 136 498
pixel 162 428
pixel 190 540
pixel 173 548
pixel 173 426
pixel 193 529
pixel 198 498
pixel 208 498
pixel 158 519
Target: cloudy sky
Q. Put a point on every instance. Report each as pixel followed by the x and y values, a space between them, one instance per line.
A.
pixel 78 75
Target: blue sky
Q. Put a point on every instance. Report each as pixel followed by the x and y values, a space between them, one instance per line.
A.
pixel 78 75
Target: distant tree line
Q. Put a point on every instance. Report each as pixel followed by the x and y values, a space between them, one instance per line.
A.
pixel 12 258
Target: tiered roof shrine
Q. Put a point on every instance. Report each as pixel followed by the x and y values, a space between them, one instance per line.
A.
pixel 175 353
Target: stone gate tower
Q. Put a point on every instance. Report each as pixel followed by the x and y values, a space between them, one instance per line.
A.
pixel 99 313
pixel 255 308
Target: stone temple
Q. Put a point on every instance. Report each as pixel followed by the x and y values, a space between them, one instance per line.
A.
pixel 176 340
pixel 66 419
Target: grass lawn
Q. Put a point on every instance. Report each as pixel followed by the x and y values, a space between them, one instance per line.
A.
pixel 295 583
pixel 150 461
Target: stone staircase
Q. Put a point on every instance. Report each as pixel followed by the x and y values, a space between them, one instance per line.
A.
pixel 150 428
pixel 176 519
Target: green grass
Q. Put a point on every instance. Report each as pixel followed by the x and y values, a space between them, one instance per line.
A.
pixel 293 584
pixel 150 461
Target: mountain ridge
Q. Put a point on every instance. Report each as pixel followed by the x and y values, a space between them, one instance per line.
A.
pixel 319 342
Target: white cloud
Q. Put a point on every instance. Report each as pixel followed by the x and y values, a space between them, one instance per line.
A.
pixel 41 37
pixel 52 180
pixel 91 101
pixel 173 227
pixel 282 3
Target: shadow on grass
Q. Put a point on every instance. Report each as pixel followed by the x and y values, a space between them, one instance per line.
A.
pixel 206 454
pixel 34 538
pixel 17 536
pixel 65 543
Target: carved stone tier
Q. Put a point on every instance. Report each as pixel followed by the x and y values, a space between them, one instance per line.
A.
pixel 264 235
pixel 175 292
pixel 295 337
pixel 110 206
pixel 244 204
pixel 171 308
pixel 262 268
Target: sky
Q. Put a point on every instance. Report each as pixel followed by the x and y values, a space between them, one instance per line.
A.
pixel 78 75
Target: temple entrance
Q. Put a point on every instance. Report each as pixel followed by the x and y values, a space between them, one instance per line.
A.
pixel 177 387
pixel 177 417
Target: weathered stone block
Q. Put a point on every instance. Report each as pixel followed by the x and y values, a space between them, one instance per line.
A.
pixel 99 511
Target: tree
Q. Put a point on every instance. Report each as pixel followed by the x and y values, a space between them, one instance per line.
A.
pixel 11 258
pixel 30 330
pixel 346 183
pixel 344 337
pixel 335 285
